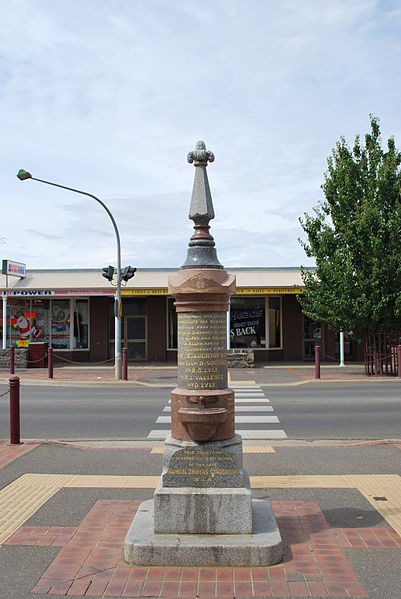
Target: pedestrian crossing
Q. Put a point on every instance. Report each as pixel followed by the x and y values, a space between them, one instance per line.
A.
pixel 254 418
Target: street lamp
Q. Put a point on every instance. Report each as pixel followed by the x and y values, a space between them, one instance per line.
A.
pixel 22 176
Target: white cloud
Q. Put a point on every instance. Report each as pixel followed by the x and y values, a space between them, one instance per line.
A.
pixel 110 97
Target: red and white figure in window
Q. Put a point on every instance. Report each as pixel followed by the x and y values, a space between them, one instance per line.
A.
pixel 25 328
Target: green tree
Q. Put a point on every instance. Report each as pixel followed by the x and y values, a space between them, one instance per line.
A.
pixel 354 234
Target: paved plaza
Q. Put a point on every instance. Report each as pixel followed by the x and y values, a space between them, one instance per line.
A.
pixel 65 508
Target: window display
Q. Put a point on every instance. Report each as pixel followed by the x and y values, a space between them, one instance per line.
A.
pixel 247 322
pixel 60 324
pixel 40 320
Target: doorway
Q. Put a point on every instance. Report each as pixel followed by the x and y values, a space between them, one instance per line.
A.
pixel 134 337
pixel 133 328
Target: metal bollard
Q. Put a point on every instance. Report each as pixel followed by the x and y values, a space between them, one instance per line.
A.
pixel 50 361
pixel 399 360
pixel 15 438
pixel 317 361
pixel 125 364
pixel 12 360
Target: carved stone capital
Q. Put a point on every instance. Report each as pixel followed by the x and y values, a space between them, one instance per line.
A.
pixel 201 290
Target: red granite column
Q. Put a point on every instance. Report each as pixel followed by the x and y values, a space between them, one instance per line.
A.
pixel 202 406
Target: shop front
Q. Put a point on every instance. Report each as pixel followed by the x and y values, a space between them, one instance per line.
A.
pixel 73 312
pixel 60 319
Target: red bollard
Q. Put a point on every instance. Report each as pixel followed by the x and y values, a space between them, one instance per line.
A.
pixel 125 364
pixel 399 360
pixel 15 438
pixel 317 361
pixel 12 356
pixel 50 362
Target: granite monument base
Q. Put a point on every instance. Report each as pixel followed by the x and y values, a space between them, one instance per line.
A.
pixel 261 548
pixel 203 489
pixel 202 511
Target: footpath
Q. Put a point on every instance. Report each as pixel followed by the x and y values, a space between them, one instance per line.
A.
pixel 65 509
pixel 154 374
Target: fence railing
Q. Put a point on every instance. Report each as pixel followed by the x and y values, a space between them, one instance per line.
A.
pixel 382 354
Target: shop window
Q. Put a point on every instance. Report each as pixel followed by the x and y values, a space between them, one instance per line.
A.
pixel 39 320
pixel 247 322
pixel 60 324
pixel 18 322
pixel 172 324
pixel 274 322
pixel 81 324
pixel 312 337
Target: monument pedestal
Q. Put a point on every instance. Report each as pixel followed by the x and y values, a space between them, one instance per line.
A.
pixel 202 513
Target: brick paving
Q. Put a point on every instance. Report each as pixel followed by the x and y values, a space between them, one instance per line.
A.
pixel 8 452
pixel 90 561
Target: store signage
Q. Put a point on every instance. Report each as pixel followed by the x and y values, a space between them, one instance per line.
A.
pixel 16 269
pixel 51 292
pixel 268 290
pixel 160 291
pixel 28 293
pixel 85 292
pixel 22 342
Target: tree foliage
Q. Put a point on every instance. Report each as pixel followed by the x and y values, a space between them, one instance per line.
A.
pixel 354 234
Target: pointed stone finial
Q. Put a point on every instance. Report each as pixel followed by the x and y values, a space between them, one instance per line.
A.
pixel 201 251
pixel 200 155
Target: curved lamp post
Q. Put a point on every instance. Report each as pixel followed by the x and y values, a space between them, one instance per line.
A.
pixel 23 175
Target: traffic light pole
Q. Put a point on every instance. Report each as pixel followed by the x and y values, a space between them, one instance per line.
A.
pixel 22 175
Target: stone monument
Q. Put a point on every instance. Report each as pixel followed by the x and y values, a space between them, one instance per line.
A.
pixel 202 512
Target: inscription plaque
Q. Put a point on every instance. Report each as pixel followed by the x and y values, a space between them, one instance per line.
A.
pixel 203 467
pixel 202 350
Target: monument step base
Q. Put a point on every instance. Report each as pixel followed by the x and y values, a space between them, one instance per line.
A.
pixel 261 548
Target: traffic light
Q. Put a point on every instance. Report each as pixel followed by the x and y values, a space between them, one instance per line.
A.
pixel 128 273
pixel 108 272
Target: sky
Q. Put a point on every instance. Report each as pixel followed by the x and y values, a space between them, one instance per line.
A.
pixel 109 97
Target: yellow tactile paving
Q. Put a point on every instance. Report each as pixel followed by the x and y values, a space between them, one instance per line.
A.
pixel 386 486
pixel 23 497
pixel 117 482
pixel 258 449
pixel 369 485
pixel 246 449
